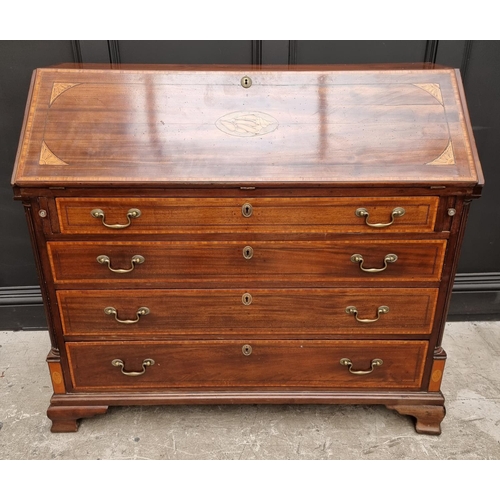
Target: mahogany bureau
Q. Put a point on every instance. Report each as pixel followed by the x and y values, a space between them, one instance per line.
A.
pixel 235 235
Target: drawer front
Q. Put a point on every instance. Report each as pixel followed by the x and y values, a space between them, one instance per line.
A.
pixel 274 215
pixel 217 264
pixel 233 364
pixel 248 312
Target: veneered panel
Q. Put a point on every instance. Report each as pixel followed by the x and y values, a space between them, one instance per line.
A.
pixel 292 127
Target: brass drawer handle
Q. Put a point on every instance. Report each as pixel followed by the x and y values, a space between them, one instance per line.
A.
pixel 246 210
pixel 363 212
pixel 133 213
pixel 347 362
pixel 248 252
pixel 145 364
pixel 388 259
pixel 136 259
pixel 142 311
pixel 380 310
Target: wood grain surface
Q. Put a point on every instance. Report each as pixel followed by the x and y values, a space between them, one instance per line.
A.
pixel 202 215
pixel 218 264
pixel 226 313
pixel 222 364
pixel 179 127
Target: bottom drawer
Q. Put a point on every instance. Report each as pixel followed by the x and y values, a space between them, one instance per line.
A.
pixel 109 366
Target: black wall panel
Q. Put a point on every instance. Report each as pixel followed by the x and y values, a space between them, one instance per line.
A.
pixel 481 249
pixel 17 61
pixel 359 51
pixel 185 51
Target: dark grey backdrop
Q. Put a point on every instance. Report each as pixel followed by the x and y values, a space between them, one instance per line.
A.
pixel 477 289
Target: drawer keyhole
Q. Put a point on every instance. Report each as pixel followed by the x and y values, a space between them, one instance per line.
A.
pixel 246 299
pixel 246 350
pixel 248 252
pixel 246 210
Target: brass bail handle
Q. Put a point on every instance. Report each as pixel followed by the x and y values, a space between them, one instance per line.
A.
pixel 363 212
pixel 374 364
pixel 353 310
pixel 136 259
pixel 147 362
pixel 142 311
pixel 388 259
pixel 133 213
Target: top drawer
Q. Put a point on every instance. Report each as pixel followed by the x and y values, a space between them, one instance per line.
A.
pixel 193 215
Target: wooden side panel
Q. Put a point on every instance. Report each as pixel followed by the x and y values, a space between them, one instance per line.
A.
pixel 57 377
pixel 437 370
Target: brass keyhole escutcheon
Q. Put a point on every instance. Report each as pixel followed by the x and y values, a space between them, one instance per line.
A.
pixel 246 210
pixel 246 82
pixel 246 350
pixel 246 298
pixel 248 252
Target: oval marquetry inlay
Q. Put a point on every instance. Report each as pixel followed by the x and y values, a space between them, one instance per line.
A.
pixel 247 123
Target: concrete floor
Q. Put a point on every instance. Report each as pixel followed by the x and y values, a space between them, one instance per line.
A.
pixel 471 428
